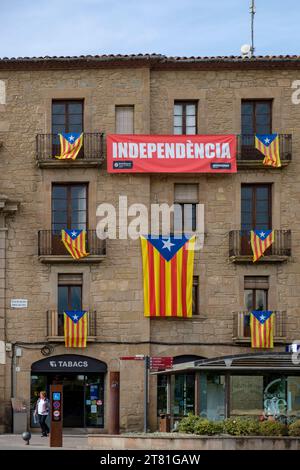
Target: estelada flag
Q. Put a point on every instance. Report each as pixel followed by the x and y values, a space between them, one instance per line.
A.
pixel 75 328
pixel 260 242
pixel 262 329
pixel 168 265
pixel 70 145
pixel 75 242
pixel 268 145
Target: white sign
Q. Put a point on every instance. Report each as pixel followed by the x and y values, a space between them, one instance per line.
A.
pixel 19 303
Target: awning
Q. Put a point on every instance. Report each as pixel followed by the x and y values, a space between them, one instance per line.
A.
pixel 268 361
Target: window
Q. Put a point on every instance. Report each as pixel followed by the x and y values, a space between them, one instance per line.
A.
pixel 185 117
pixel 256 206
pixel 195 296
pixel 185 211
pixel 255 297
pixel 124 120
pixel 69 211
pixel 67 116
pixel 69 296
pixel 69 207
pixel 256 119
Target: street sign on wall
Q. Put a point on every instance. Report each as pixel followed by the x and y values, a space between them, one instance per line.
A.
pixel 161 363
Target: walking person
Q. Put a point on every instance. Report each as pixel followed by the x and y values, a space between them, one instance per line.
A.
pixel 42 409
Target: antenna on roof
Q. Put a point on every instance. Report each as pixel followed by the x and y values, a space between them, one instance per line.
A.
pixel 252 13
pixel 247 50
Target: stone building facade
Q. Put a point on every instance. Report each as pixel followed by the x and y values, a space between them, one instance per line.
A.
pixel 111 281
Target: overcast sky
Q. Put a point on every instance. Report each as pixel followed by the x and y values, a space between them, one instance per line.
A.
pixel 171 27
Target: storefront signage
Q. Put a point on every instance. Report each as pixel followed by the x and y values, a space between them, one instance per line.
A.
pixel 171 153
pixel 69 363
pixel 19 303
pixel 161 363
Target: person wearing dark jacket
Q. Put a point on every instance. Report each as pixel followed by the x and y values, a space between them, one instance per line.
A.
pixel 42 409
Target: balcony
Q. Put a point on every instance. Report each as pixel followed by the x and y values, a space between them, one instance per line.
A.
pixel 249 157
pixel 52 250
pixel 55 326
pixel 91 153
pixel 240 248
pixel 241 327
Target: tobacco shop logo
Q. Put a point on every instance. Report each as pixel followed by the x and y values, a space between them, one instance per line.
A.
pixel 68 364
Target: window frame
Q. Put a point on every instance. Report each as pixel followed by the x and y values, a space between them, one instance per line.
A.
pixel 69 201
pixel 66 103
pixel 254 187
pixel 184 104
pixel 195 290
pixel 255 102
pixel 122 106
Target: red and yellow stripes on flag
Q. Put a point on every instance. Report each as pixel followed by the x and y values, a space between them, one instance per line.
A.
pixel 262 334
pixel 69 151
pixel 168 285
pixel 75 247
pixel 258 245
pixel 271 152
pixel 75 333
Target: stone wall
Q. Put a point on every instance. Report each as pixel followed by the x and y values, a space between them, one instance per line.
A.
pixel 114 287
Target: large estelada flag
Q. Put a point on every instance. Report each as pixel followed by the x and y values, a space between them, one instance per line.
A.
pixel 268 145
pixel 262 329
pixel 168 265
pixel 70 145
pixel 260 242
pixel 75 242
pixel 75 328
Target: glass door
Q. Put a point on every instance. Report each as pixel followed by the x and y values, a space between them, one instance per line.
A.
pixel 94 401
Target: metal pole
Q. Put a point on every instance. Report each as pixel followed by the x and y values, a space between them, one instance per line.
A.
pixel 252 12
pixel 146 384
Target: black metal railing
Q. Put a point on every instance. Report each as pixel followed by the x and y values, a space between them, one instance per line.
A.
pixel 55 323
pixel 241 324
pixel 48 146
pixel 246 150
pixel 50 243
pixel 240 245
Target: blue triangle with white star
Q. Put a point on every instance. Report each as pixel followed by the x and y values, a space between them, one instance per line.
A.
pixel 73 233
pixel 266 139
pixel 262 234
pixel 262 315
pixel 75 315
pixel 71 137
pixel 167 245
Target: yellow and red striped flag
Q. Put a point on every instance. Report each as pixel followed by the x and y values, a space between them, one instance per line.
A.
pixel 268 145
pixel 262 329
pixel 260 242
pixel 168 265
pixel 70 145
pixel 75 328
pixel 75 242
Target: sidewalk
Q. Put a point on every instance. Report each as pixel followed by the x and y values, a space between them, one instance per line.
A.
pixel 15 442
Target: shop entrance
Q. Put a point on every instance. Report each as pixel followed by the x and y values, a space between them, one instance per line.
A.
pixel 83 392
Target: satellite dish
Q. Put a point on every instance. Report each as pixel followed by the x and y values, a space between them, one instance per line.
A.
pixel 246 50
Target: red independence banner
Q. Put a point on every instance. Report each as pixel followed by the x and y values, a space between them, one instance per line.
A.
pixel 171 153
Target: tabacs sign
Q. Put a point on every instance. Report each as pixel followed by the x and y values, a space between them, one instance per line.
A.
pixel 171 153
pixel 69 363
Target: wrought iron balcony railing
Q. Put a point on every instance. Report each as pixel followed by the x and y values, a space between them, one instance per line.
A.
pixel 241 325
pixel 240 246
pixel 248 154
pixel 50 244
pixel 55 323
pixel 91 152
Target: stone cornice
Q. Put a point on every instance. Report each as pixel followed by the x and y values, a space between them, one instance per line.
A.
pixel 8 206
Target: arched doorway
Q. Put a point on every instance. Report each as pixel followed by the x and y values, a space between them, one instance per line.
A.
pixel 82 378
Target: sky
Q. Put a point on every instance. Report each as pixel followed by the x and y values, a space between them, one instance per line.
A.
pixel 171 27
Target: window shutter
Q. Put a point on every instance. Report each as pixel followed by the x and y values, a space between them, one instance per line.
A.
pixel 256 282
pixel 186 193
pixel 70 279
pixel 124 119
